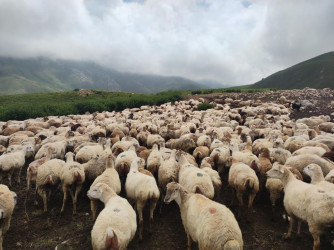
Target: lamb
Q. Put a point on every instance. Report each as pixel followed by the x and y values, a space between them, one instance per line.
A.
pixel 207 165
pixel 7 204
pixel 116 225
pixel 209 223
pixel 317 177
pixel 10 162
pixel 141 188
pixel 123 162
pixel 243 180
pixel 72 177
pixel 48 176
pixel 168 172
pixel 109 177
pixel 154 161
pixel 307 202
pixel 33 166
pixel 301 161
pixel 194 179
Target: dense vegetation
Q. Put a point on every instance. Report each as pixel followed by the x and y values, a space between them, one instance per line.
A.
pixel 317 72
pixel 19 76
pixel 229 90
pixel 24 106
pixel 205 106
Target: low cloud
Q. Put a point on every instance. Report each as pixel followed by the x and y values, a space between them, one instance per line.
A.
pixel 230 41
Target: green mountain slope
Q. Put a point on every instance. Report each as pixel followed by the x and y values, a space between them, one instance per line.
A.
pixel 19 76
pixel 317 72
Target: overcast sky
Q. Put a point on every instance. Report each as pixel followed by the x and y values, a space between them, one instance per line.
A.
pixel 230 41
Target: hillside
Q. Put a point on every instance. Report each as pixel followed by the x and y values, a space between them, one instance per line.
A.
pixel 317 72
pixel 18 76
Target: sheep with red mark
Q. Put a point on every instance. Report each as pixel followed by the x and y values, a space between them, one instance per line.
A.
pixel 209 223
pixel 116 225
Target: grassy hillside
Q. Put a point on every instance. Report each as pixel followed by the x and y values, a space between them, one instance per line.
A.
pixel 317 72
pixel 18 76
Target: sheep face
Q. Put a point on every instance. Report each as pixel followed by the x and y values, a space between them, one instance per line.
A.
pixel 95 193
pixel 172 193
pixel 14 197
pixel 310 169
pixel 276 172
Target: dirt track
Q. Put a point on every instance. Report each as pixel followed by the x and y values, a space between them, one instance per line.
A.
pixel 45 231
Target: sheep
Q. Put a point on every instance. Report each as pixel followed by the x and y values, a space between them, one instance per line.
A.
pixel 154 161
pixel 4 140
pixel 3 149
pixel 141 188
pixel 116 225
pixel 168 172
pixel 220 157
pixel 123 146
pixel 109 177
pixel 123 162
pixel 59 147
pixel 33 166
pixel 330 176
pixel 317 177
pixel 301 161
pixel 329 155
pixel 88 152
pixel 154 139
pixel 7 203
pixel 307 202
pixel 72 177
pixel 264 166
pixel 201 152
pixel 243 180
pixel 10 162
pixel 207 165
pixel 48 176
pixel 204 140
pixel 319 151
pixel 279 155
pixel 184 144
pixel 209 223
pixel 194 179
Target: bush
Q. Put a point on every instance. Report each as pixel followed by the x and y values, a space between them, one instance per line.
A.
pixel 205 106
pixel 195 92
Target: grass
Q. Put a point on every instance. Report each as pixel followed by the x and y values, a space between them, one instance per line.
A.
pixel 25 106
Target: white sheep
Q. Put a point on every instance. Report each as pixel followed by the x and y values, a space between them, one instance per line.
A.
pixel 89 152
pixel 243 180
pixel 109 177
pixel 317 177
pixel 307 202
pixel 154 160
pixel 279 155
pixel 141 188
pixel 7 204
pixel 207 165
pixel 10 162
pixel 319 151
pixel 124 160
pixel 72 177
pixel 48 175
pixel 330 176
pixel 301 161
pixel 59 147
pixel 220 157
pixel 194 179
pixel 209 223
pixel 116 225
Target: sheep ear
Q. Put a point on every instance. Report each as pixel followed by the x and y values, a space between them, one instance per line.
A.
pixel 281 170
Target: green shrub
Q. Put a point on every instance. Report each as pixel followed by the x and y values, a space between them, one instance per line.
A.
pixel 195 92
pixel 205 106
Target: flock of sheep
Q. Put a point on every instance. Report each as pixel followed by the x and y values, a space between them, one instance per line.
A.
pixel 154 155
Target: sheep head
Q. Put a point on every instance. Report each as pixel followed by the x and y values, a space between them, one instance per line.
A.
pixel 277 172
pixel 172 192
pixel 312 169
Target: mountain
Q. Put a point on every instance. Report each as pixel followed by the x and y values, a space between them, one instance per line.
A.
pixel 19 76
pixel 317 72
pixel 212 84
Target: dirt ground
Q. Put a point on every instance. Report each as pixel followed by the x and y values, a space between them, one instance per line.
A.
pixel 32 229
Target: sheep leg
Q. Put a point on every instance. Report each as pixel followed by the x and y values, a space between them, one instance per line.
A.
pixel 42 193
pixel 241 203
pixel 188 241
pixel 93 208
pixel 35 201
pixel 161 202
pixel 299 223
pixel 77 190
pixel 19 175
pixel 10 173
pixel 316 237
pixel 140 207
pixel 65 188
pixel 153 204
pixel 288 235
pixel 233 197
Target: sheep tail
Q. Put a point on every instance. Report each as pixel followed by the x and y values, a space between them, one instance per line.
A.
pixel 48 180
pixel 232 245
pixel 77 176
pixel 197 190
pixel 249 185
pixel 199 154
pixel 111 241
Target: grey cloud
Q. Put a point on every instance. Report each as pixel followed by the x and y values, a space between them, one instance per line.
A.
pixel 228 41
